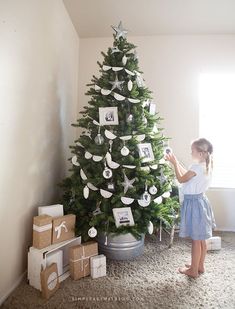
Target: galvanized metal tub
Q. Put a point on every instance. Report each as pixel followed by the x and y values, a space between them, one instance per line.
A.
pixel 120 247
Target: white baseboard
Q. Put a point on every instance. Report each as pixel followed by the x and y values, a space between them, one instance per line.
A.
pixel 224 230
pixel 18 281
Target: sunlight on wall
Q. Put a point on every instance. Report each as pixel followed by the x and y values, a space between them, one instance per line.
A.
pixel 217 123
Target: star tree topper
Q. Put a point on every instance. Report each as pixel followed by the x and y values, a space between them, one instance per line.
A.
pixel 120 31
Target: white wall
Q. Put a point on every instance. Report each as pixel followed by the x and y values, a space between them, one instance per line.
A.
pixel 39 51
pixel 171 66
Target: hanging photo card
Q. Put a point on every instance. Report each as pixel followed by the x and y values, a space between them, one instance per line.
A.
pixel 146 152
pixel 152 108
pixel 123 216
pixel 108 116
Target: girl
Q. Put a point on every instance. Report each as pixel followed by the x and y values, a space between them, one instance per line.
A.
pixel 197 219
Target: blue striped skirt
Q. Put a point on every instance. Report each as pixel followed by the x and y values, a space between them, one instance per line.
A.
pixel 196 217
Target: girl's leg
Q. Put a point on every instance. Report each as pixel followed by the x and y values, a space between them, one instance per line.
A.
pixel 201 268
pixel 203 255
pixel 196 256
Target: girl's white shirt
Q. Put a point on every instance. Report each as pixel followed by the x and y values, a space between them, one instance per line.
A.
pixel 199 183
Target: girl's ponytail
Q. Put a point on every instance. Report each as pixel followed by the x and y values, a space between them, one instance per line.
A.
pixel 204 146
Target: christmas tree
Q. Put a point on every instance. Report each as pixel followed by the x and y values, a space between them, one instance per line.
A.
pixel 119 179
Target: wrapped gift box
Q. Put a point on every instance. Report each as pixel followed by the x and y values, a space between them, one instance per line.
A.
pixel 63 228
pixel 49 281
pixel 80 259
pixel 42 231
pixel 213 243
pixel 51 210
pixel 98 266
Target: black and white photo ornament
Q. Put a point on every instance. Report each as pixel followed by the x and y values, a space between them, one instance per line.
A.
pixel 107 173
pixel 153 190
pixel 92 232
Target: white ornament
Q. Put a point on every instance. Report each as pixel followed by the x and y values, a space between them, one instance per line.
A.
pixel 153 190
pixel 166 194
pixel 143 203
pixel 146 197
pixel 97 158
pixel 133 100
pixel 91 186
pixel 82 174
pixel 119 97
pixel 111 164
pixel 115 69
pixel 111 186
pixel 127 200
pixel 97 88
pixel 125 151
pixel 158 200
pixel 105 193
pixel 129 166
pixel 88 155
pixel 86 192
pixel 99 140
pixel 109 134
pixel 162 161
pixel 75 160
pixel 152 109
pixel 167 150
pixel 124 60
pixel 128 183
pixel 129 118
pixel 92 232
pixel 116 84
pixel 107 173
pixel 106 67
pixel 96 122
pixel 129 72
pixel 126 137
pixel 115 50
pixel 154 166
pixel 130 85
pixel 145 168
pixel 96 212
pixel 150 227
pixel 105 91
pixel 140 137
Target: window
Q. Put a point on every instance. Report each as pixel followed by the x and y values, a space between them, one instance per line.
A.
pixel 217 123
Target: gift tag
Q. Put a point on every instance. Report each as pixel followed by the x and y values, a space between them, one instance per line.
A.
pixel 92 232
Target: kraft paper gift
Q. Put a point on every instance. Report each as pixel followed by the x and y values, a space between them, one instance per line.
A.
pixel 49 281
pixel 63 228
pixel 42 231
pixel 80 259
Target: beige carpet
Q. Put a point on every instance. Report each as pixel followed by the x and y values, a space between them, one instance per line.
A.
pixel 150 281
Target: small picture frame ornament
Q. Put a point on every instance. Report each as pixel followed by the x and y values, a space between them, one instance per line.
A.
pixel 108 116
pixel 146 152
pixel 123 216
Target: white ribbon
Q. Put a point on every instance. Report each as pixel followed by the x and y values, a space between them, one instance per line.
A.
pixel 59 228
pixel 83 259
pixel 42 228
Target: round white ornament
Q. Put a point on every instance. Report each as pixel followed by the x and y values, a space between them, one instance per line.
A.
pixel 153 190
pixel 146 197
pixel 125 151
pixel 107 173
pixel 92 232
pixel 99 140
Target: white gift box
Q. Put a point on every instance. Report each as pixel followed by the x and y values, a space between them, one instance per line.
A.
pixel 98 266
pixel 213 243
pixel 56 210
pixel 56 257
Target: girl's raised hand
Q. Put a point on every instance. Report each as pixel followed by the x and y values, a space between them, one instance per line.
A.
pixel 171 158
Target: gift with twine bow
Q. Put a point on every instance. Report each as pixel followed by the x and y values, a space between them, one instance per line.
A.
pixel 79 259
pixel 98 266
pixel 63 228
